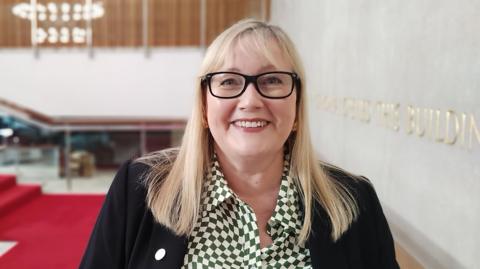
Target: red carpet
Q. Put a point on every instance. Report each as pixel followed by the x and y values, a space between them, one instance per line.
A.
pixel 12 195
pixel 51 230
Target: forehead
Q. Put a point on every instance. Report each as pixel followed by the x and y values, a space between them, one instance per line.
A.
pixel 253 53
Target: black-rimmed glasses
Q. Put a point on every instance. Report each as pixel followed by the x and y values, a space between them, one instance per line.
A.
pixel 273 85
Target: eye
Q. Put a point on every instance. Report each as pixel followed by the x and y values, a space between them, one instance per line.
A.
pixel 228 82
pixel 271 80
pixel 274 80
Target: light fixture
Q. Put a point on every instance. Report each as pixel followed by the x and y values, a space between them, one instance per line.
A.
pixel 66 12
pixel 79 35
pixel 77 8
pixel 6 132
pixel 77 17
pixel 41 35
pixel 21 10
pixel 41 8
pixel 65 7
pixel 53 17
pixel 65 17
pixel 52 35
pixel 52 7
pixel 42 16
pixel 64 35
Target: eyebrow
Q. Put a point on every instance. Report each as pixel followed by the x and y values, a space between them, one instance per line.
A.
pixel 262 69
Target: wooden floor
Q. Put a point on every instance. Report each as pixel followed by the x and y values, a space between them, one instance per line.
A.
pixel 405 260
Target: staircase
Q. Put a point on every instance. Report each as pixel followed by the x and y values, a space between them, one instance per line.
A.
pixel 13 195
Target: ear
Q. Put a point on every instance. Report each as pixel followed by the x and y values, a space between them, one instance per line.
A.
pixel 204 121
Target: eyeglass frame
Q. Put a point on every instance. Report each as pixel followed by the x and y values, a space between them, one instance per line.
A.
pixel 206 80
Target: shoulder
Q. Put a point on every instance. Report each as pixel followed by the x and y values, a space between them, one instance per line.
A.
pixel 158 163
pixel 134 176
pixel 127 192
pixel 130 175
pixel 369 209
pixel 117 221
pixel 370 229
pixel 370 217
pixel 359 186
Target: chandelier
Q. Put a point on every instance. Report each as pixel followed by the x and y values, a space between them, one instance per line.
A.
pixel 57 20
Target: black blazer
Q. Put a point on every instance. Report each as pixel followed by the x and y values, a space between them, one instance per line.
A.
pixel 126 235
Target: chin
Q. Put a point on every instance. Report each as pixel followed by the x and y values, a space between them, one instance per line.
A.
pixel 254 150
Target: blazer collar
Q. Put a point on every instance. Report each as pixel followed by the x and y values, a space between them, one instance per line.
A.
pixel 324 253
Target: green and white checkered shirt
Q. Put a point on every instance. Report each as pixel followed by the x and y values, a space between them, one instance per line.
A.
pixel 226 234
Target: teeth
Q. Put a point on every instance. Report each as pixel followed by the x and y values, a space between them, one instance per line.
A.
pixel 250 124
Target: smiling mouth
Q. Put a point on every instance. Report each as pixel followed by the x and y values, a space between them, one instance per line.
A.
pixel 251 124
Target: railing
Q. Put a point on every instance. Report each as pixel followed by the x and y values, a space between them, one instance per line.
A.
pixel 66 135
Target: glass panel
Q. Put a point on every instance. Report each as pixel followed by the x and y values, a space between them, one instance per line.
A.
pixel 157 140
pixel 36 152
pixel 29 151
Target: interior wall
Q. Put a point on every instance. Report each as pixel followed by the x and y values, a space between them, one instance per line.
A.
pixel 115 82
pixel 386 80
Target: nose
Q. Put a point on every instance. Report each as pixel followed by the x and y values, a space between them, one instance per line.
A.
pixel 251 98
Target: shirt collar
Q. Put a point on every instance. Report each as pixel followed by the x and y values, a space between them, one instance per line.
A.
pixel 287 210
pixel 216 189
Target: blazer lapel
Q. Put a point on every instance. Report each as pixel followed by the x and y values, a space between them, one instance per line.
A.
pixel 324 253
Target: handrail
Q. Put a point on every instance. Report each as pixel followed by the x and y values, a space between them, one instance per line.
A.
pixel 85 124
pixel 89 123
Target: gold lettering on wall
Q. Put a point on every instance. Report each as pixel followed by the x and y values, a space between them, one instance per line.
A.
pixel 448 127
pixel 410 120
pixel 473 131
pixel 430 123
pixel 419 122
pixel 437 136
pixel 451 140
pixel 462 130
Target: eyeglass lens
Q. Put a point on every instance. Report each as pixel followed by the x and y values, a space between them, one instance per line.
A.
pixel 269 84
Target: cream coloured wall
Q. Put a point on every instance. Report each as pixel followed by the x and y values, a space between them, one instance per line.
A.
pixel 115 82
pixel 423 54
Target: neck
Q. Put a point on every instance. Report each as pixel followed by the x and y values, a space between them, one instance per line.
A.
pixel 252 176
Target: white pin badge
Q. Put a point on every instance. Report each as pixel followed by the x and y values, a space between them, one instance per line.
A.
pixel 160 254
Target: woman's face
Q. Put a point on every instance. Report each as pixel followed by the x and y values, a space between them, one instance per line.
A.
pixel 228 118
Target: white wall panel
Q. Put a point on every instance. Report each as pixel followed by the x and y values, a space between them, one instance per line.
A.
pixel 421 53
pixel 114 83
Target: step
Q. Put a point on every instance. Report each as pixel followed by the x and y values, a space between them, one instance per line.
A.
pixel 16 196
pixel 7 181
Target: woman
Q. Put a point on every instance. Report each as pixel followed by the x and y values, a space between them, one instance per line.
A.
pixel 245 189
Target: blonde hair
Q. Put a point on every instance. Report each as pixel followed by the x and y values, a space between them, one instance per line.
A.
pixel 175 181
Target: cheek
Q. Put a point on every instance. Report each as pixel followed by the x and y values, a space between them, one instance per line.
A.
pixel 291 116
pixel 288 112
pixel 217 111
pixel 211 109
